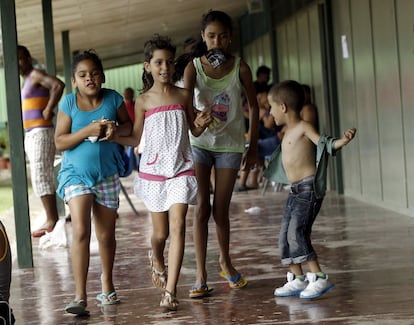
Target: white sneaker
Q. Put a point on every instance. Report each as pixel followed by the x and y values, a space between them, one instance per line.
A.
pixel 316 287
pixel 292 287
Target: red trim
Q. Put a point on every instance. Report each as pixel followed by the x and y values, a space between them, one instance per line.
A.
pixel 159 178
pixel 164 108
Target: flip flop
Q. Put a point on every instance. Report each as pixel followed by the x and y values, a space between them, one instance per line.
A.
pixel 77 307
pixel 159 278
pixel 108 299
pixel 169 301
pixel 237 282
pixel 200 292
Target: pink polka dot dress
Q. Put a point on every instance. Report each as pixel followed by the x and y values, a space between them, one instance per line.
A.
pixel 166 171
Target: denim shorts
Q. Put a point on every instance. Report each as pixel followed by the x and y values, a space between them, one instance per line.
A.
pixel 301 209
pixel 230 160
pixel 106 192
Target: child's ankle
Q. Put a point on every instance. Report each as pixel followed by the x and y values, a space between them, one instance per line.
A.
pixel 321 275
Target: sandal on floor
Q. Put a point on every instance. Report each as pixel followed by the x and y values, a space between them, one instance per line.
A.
pixel 108 299
pixel 200 292
pixel 159 278
pixel 77 307
pixel 237 282
pixel 169 301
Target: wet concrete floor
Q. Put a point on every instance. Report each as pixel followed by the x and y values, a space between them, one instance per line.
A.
pixel 366 250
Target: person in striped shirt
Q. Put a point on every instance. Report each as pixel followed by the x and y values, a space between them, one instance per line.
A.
pixel 40 94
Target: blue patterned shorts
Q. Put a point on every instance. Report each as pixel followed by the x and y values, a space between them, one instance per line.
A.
pixel 106 192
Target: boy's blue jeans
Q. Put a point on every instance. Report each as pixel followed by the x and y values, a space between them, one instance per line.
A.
pixel 301 209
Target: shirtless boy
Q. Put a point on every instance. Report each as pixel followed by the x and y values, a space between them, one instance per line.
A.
pixel 298 163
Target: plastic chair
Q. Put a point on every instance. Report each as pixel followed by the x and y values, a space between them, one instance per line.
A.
pixel 277 187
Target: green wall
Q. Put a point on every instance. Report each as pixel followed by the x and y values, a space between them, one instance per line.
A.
pixel 121 78
pixel 375 94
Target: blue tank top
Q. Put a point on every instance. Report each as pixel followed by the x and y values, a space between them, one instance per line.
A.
pixel 90 162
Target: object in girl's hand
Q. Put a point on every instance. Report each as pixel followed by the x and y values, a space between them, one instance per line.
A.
pixel 216 57
pixel 54 239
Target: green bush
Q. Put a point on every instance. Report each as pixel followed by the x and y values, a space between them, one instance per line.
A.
pixel 4 141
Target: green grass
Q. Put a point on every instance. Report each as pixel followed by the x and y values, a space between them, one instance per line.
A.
pixel 6 195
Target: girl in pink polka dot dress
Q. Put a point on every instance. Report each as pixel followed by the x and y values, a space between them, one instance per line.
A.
pixel 166 181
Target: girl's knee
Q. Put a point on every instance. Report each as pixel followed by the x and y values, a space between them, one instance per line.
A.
pixel 177 230
pixel 159 236
pixel 81 234
pixel 107 237
pixel 203 212
pixel 221 219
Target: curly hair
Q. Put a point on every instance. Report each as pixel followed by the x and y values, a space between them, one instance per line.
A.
pixel 86 55
pixel 157 42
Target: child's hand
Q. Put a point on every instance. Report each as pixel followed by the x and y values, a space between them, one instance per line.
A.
pixel 109 128
pixel 349 135
pixel 48 114
pixel 136 151
pixel 94 130
pixel 249 159
pixel 203 119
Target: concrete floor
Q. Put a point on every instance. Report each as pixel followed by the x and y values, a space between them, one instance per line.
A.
pixel 366 250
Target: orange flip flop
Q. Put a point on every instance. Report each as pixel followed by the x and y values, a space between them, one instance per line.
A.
pixel 200 292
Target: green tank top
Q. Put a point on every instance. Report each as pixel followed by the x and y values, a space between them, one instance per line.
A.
pixel 224 98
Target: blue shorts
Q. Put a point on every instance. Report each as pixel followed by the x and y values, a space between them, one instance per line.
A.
pixel 106 192
pixel 230 160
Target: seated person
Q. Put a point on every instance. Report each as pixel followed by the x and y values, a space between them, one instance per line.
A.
pixel 267 143
pixel 309 112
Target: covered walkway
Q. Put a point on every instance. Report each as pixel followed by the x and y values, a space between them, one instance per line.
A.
pixel 366 250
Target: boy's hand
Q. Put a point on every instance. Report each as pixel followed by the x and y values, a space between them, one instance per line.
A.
pixel 349 135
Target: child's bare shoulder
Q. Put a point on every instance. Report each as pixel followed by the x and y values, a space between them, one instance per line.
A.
pixel 142 101
pixel 296 136
pixel 182 91
pixel 182 95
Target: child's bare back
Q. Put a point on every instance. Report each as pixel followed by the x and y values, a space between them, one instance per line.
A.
pixel 298 152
